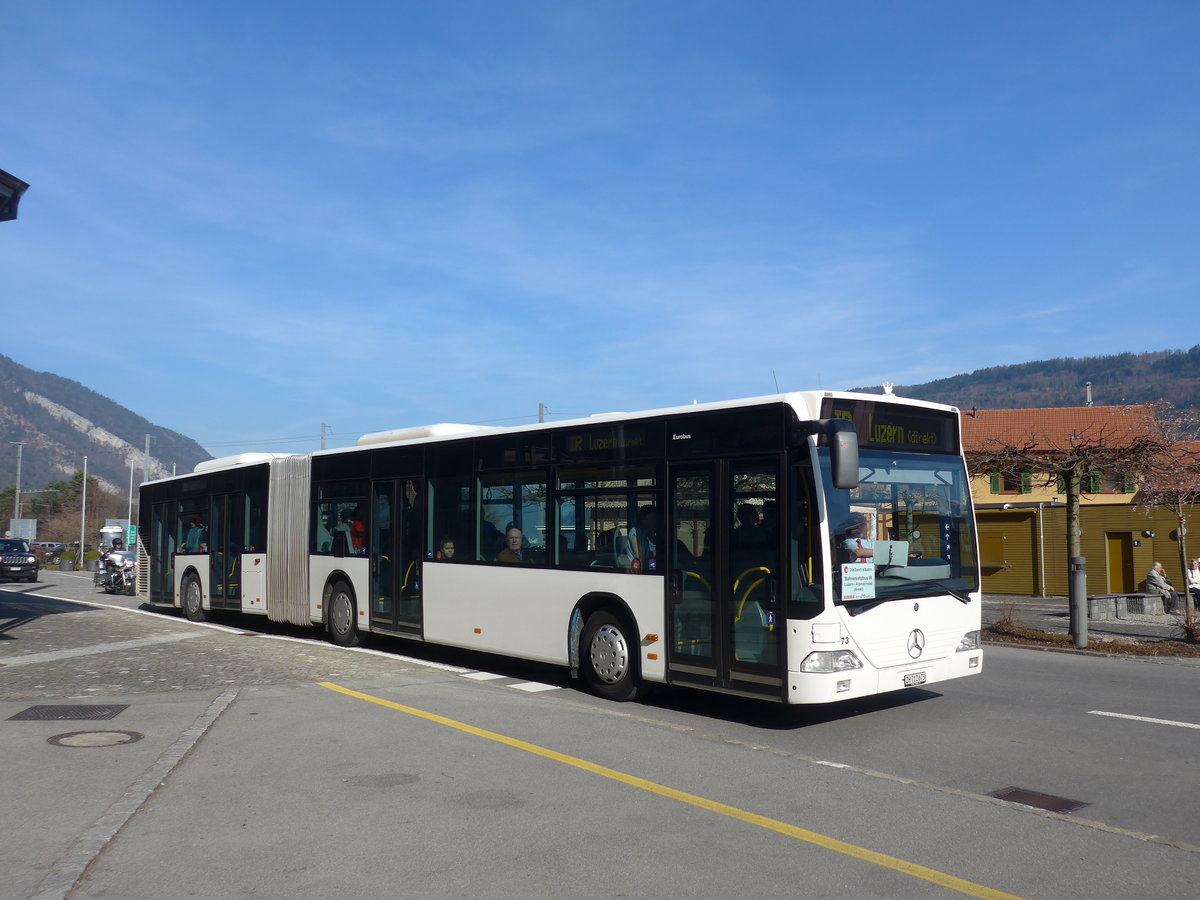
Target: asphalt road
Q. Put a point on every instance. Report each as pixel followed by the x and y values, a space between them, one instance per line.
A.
pixel 260 764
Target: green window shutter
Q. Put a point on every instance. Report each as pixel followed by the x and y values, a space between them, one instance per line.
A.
pixel 1097 482
pixel 1130 484
pixel 1026 482
pixel 996 485
pixel 1060 485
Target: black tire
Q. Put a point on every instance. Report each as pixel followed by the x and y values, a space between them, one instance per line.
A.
pixel 609 658
pixel 342 616
pixel 193 600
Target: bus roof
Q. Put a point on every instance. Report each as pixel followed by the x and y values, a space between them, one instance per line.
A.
pixel 806 403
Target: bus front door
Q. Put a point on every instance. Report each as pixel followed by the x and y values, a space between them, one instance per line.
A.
pixel 396 554
pixel 725 620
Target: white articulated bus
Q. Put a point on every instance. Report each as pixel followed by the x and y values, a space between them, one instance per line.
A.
pixel 803 548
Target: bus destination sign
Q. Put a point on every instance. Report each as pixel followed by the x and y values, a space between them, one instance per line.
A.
pixel 884 426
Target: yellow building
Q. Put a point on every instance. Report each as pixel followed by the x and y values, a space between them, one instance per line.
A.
pixel 1022 517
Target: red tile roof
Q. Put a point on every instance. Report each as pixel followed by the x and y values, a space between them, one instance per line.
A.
pixel 1059 427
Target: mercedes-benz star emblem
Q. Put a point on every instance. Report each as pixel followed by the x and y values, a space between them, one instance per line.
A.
pixel 916 643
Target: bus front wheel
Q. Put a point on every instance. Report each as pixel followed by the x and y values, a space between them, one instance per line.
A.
pixel 193 600
pixel 609 660
pixel 343 630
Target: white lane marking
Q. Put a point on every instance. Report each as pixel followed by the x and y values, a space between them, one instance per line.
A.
pixel 1113 715
pixel 533 687
pixel 482 676
pixel 55 655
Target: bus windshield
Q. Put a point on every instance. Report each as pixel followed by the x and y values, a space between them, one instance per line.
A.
pixel 905 531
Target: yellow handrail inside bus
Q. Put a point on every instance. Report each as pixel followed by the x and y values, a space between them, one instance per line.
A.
pixel 749 591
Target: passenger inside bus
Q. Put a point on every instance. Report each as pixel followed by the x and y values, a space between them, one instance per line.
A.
pixel 197 536
pixel 749 533
pixel 514 543
pixel 641 541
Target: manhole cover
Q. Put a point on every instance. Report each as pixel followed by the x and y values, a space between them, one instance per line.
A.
pixel 63 713
pixel 1037 800
pixel 95 738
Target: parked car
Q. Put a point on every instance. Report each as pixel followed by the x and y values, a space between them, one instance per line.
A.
pixel 48 551
pixel 17 560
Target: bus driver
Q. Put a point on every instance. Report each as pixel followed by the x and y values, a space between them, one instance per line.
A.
pixel 858 546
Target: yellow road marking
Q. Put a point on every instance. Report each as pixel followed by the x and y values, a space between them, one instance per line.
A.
pixel 932 876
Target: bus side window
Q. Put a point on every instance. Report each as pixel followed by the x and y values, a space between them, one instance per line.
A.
pixel 513 502
pixel 450 516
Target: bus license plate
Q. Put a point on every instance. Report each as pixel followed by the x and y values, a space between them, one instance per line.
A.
pixel 914 678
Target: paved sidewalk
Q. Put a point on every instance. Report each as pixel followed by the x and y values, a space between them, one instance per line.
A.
pixel 1052 614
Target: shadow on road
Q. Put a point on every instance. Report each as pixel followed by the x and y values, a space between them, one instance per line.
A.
pixel 20 607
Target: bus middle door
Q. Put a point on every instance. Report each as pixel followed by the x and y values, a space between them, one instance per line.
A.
pixel 396 554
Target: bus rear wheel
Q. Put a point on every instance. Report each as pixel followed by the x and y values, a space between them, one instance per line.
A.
pixel 193 600
pixel 609 658
pixel 343 630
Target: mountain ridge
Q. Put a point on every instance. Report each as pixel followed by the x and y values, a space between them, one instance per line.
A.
pixel 60 421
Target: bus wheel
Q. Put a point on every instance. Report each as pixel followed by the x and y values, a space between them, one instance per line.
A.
pixel 608 659
pixel 193 600
pixel 343 630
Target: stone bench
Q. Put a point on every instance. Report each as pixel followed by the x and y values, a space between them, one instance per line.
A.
pixel 1120 606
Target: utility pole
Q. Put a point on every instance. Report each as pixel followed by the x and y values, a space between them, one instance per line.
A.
pixel 541 412
pixel 146 460
pixel 82 514
pixel 17 499
pixel 323 427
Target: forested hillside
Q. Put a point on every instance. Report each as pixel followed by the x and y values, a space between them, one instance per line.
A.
pixel 1172 375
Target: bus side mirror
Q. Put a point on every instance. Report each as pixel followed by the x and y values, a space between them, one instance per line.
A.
pixel 843 452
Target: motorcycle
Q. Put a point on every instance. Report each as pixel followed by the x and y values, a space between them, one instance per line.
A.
pixel 117 573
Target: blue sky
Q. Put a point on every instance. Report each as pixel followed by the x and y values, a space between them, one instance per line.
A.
pixel 247 219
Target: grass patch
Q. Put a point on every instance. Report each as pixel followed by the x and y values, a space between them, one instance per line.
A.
pixel 1006 631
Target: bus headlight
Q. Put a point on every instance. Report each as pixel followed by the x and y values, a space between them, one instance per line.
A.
pixel 970 641
pixel 830 661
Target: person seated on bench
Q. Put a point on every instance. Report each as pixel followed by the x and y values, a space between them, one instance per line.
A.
pixel 1159 585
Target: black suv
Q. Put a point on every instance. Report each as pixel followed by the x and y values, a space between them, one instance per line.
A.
pixel 17 560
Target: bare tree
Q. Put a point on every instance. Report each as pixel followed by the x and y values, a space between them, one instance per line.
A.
pixel 1172 480
pixel 1123 446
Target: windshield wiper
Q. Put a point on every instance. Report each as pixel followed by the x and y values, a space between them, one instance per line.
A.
pixel 957 593
pixel 861 605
